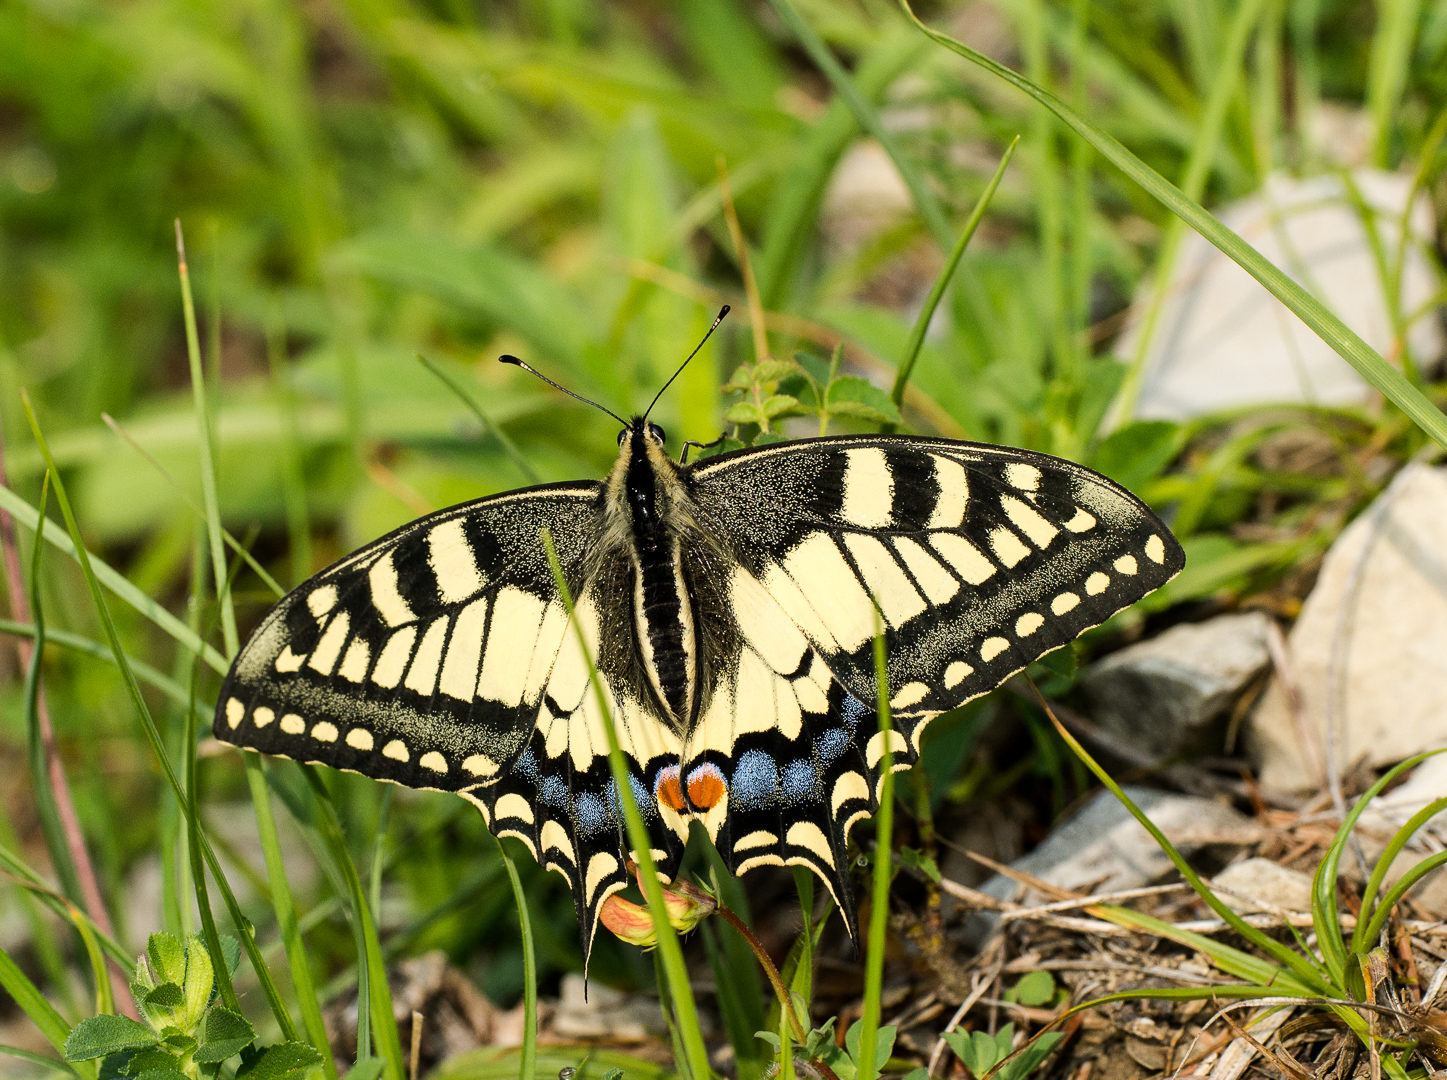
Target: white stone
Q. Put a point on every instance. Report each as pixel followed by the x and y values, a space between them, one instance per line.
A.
pixel 1370 648
pixel 865 196
pixel 1265 881
pixel 1171 693
pixel 1223 342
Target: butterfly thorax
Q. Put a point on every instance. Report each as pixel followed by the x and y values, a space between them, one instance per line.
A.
pixel 647 496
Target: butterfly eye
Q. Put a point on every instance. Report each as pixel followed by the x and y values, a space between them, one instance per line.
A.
pixel 622 435
pixel 656 432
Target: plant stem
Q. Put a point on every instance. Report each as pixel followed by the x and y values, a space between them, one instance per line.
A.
pixel 883 872
pixel 786 1003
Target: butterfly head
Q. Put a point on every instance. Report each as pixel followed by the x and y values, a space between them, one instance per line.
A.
pixel 641 428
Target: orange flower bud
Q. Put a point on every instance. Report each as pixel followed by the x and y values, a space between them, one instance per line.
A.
pixel 686 904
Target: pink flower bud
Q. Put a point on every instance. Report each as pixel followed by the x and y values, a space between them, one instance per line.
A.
pixel 686 904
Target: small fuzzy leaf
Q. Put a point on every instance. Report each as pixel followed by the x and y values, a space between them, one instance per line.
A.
pixel 772 1038
pixel 200 978
pixel 182 1044
pixel 1035 988
pixel 152 1060
pixel 166 996
pixel 97 1036
pixel 919 862
pixel 160 1074
pixel 223 1033
pixel 231 951
pixel 768 438
pixel 167 956
pixel 744 412
pixel 849 395
pixel 612 1074
pixel 281 1061
pixel 771 370
pixel 781 405
pixel 883 1047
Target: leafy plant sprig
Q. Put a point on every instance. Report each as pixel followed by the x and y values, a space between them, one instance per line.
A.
pixel 185 1032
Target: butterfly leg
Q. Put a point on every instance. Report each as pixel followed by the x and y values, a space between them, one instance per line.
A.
pixel 683 456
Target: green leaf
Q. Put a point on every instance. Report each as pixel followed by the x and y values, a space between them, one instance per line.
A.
pixel 744 412
pixel 1030 1057
pixel 166 996
pixel 979 1051
pixel 849 395
pixel 819 1038
pixel 182 1044
pixel 769 438
pixel 1138 452
pixel 920 1073
pixel 161 1074
pixel 882 1048
pixel 152 1060
pixel 167 956
pixel 200 980
pixel 772 370
pixel 781 405
pixel 612 1074
pixel 920 863
pixel 97 1036
pixel 231 950
pixel 772 1038
pixel 281 1061
pixel 223 1034
pixel 1035 988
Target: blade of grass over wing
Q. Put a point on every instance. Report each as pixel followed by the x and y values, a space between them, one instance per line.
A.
pixel 112 579
pixel 942 282
pixel 669 952
pixel 883 873
pixel 527 1064
pixel 867 117
pixel 374 997
pixel 280 890
pixel 1301 968
pixel 1347 344
pixel 153 736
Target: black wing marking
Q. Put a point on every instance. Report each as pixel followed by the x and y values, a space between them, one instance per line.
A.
pixel 980 559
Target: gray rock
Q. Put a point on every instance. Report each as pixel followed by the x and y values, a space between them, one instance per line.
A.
pixel 1172 693
pixel 1368 650
pixel 1103 848
pixel 1223 342
pixel 1264 881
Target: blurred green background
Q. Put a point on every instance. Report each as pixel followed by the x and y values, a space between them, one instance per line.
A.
pixel 364 181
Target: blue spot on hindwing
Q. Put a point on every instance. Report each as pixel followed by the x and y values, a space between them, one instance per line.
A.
pixel 852 710
pixel 592 815
pixel 755 782
pixel 831 744
pixel 799 780
pixel 553 791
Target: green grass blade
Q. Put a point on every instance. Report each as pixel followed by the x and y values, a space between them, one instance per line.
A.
pixel 1299 966
pixel 794 208
pixel 32 1002
pixel 883 874
pixel 105 1000
pixel 1204 145
pixel 37 887
pixel 1242 965
pixel 46 807
pixel 1351 348
pixel 1384 864
pixel 153 735
pixel 942 282
pixel 113 580
pixel 867 117
pixel 293 479
pixel 89 647
pixel 38 1059
pixel 1395 894
pixel 670 954
pixel 372 965
pixel 1388 69
pixel 509 447
pixel 528 1064
pixel 285 907
pixel 1324 912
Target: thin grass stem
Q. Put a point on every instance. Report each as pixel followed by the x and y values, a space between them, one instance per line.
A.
pixel 528 1064
pixel 670 954
pixel 942 281
pixel 883 875
pixel 32 1002
pixel 509 447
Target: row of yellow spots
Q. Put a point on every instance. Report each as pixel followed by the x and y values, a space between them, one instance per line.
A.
pixel 358 738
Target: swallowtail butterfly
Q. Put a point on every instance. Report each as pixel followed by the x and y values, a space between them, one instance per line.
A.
pixel 729 606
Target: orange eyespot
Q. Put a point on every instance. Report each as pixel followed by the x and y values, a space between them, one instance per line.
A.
pixel 669 790
pixel 706 787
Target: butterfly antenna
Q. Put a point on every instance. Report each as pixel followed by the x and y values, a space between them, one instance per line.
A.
pixel 722 312
pixel 507 359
